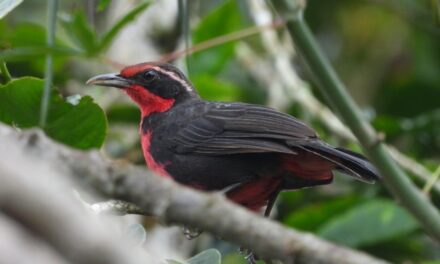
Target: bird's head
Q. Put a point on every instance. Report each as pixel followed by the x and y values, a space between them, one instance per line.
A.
pixel 155 87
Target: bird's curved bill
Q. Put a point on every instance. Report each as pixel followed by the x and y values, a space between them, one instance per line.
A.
pixel 110 80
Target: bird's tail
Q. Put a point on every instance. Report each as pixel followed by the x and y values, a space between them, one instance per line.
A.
pixel 346 161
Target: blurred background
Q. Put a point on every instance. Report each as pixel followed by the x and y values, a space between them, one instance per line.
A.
pixel 386 52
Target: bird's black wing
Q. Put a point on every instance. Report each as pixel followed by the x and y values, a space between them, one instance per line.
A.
pixel 235 128
pixel 240 128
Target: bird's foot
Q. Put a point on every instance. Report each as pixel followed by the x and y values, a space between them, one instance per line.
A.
pixel 191 232
pixel 249 255
pixel 251 258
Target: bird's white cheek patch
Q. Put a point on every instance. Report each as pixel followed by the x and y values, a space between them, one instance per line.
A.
pixel 175 77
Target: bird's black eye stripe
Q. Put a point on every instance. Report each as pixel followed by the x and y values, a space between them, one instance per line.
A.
pixel 150 75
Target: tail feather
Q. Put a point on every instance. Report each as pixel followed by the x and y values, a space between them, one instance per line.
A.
pixel 348 162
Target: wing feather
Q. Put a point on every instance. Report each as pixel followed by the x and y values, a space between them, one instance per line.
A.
pixel 240 128
pixel 224 129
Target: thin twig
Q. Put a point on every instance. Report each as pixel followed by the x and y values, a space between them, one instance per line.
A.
pixel 211 43
pixel 52 7
pixel 186 33
pixel 221 40
pixel 421 173
pixel 434 178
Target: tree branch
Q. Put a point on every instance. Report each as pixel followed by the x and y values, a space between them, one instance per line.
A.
pixel 15 241
pixel 35 194
pixel 173 203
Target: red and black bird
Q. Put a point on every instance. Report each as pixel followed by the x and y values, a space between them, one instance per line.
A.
pixel 249 151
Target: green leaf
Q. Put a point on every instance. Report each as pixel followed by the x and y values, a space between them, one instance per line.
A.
pixel 222 20
pixel 311 217
pixel 7 6
pixel 211 88
pixel 376 221
pixel 81 126
pixel 80 32
pixel 120 24
pixel 28 41
pixel 210 256
pixel 26 35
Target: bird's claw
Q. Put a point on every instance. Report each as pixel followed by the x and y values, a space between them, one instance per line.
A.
pixel 191 233
pixel 250 256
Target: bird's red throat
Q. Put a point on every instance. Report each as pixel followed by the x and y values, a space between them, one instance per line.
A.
pixel 148 102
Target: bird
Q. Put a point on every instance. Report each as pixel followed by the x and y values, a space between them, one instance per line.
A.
pixel 249 152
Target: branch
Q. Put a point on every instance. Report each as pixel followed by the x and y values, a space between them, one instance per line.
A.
pixel 15 241
pixel 33 194
pixel 173 203
pixel 334 90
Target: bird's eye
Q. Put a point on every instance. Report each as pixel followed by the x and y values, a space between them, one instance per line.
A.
pixel 150 75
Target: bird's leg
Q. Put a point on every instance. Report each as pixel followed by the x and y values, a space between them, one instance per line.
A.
pixel 271 203
pixel 250 256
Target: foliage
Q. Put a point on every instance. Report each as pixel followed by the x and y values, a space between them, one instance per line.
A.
pixel 311 217
pixel 82 124
pixel 213 61
pixel 86 38
pixel 388 54
pixel 369 223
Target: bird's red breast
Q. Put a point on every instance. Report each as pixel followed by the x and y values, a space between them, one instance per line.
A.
pixel 157 167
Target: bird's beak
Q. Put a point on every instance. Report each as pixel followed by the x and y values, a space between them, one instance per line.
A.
pixel 111 80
